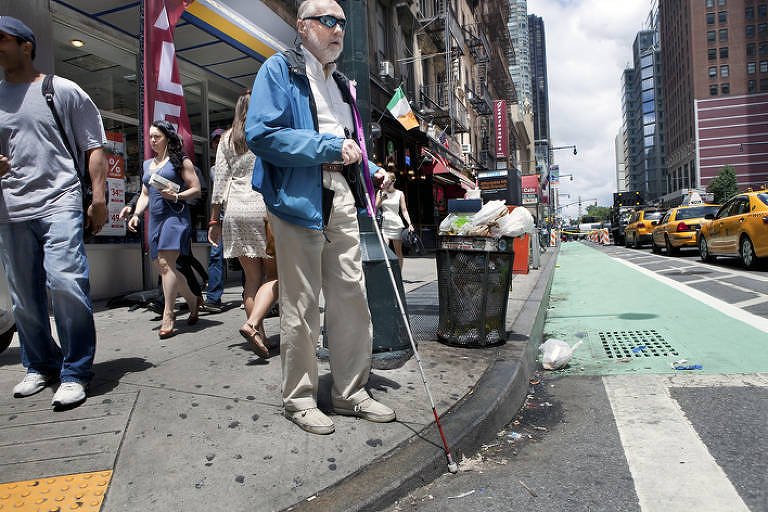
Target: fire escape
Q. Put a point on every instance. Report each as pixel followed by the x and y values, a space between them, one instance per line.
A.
pixel 491 69
pixel 442 36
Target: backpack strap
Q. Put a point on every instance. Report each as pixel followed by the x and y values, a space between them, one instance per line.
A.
pixel 48 93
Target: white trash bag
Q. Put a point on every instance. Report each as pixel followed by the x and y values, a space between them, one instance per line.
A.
pixel 518 222
pixel 490 211
pixel 556 353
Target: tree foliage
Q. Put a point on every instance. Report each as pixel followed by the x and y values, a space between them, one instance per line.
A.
pixel 724 186
pixel 601 212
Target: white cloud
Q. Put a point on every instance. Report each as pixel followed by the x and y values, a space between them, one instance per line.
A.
pixel 589 43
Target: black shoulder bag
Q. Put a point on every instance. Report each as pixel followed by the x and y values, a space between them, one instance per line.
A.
pixel 85 178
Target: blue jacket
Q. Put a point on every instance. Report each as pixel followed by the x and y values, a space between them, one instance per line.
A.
pixel 281 129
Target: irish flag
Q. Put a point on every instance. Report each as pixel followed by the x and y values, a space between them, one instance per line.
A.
pixel 398 106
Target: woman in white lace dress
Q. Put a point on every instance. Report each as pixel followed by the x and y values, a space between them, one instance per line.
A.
pixel 241 229
pixel 391 202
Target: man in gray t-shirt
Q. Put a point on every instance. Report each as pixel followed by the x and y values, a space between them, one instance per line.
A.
pixel 42 218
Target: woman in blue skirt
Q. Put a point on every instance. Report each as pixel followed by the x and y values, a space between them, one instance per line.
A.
pixel 169 180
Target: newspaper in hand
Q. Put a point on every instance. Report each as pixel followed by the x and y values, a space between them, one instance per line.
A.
pixel 161 183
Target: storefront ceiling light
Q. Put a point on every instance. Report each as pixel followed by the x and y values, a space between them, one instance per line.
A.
pixel 77 43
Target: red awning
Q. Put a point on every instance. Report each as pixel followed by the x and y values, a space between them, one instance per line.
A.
pixel 440 166
pixel 530 182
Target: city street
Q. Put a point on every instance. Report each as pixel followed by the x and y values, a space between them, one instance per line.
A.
pixel 619 428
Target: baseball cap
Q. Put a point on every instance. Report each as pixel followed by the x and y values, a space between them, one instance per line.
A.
pixel 15 27
pixel 216 133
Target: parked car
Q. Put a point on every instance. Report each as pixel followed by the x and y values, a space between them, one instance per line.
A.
pixel 739 228
pixel 678 227
pixel 641 223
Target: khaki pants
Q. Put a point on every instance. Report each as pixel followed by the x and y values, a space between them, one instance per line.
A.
pixel 307 263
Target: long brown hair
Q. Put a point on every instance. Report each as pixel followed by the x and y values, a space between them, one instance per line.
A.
pixel 237 137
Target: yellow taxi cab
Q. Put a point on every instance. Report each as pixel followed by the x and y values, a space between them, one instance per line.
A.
pixel 739 228
pixel 641 223
pixel 678 227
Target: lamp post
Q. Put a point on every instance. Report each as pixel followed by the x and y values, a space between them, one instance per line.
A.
pixel 550 149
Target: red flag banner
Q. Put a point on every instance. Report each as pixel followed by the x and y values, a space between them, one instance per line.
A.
pixel 163 94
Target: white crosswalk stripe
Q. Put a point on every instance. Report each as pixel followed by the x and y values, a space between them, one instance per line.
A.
pixel 670 465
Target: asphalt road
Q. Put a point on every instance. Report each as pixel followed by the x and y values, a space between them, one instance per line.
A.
pixel 634 434
pixel 725 279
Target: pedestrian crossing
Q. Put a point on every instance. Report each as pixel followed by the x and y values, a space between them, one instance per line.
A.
pixel 668 460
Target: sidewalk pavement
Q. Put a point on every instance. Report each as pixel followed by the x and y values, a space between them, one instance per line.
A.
pixel 194 422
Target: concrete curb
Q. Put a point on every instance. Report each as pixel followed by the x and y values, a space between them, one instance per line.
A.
pixel 480 414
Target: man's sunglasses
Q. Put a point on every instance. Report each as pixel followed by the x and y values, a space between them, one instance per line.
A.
pixel 328 20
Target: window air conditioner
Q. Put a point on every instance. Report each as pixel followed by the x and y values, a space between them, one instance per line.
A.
pixel 386 69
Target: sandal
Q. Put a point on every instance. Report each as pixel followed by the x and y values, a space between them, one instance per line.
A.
pixel 194 313
pixel 255 340
pixel 167 333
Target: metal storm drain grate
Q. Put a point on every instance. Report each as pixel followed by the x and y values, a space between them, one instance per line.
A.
pixel 626 344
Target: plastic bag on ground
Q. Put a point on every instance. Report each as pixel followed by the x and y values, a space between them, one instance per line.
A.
pixel 490 211
pixel 556 353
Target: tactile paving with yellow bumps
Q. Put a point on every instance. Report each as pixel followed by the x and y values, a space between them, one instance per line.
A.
pixel 82 491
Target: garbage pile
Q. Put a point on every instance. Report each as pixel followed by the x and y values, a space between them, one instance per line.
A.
pixel 494 219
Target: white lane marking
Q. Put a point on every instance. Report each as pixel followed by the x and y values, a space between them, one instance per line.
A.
pixel 748 318
pixel 713 266
pixel 668 460
pixel 684 271
pixel 751 302
pixel 698 380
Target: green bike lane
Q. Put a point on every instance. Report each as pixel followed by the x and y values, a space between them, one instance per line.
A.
pixel 630 322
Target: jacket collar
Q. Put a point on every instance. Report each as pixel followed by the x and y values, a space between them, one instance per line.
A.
pixel 297 64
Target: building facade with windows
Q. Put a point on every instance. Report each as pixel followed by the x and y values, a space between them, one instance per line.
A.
pixel 716 90
pixel 643 117
pixel 520 69
pixel 537 51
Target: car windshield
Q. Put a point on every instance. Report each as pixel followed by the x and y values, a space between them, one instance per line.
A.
pixel 653 215
pixel 763 198
pixel 695 212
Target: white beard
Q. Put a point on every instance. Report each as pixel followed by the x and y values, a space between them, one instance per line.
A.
pixel 324 55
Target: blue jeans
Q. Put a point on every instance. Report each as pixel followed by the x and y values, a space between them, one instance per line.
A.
pixel 49 253
pixel 215 275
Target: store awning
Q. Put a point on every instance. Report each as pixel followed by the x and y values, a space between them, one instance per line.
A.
pixel 228 25
pixel 531 189
pixel 221 39
pixel 440 166
pixel 530 184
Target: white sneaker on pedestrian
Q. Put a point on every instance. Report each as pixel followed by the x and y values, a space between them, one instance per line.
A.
pixel 312 420
pixel 69 394
pixel 33 383
pixel 367 409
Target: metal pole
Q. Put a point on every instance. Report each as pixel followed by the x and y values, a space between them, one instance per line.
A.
pixel 355 62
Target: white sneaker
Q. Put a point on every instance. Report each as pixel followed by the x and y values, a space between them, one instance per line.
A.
pixel 367 409
pixel 33 383
pixel 69 394
pixel 311 420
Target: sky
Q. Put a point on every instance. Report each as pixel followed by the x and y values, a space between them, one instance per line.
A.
pixel 589 44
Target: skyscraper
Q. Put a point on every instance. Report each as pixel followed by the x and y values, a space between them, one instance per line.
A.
pixel 537 52
pixel 643 116
pixel 539 88
pixel 520 69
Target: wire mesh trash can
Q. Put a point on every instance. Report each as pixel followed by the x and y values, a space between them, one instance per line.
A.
pixel 473 278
